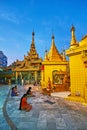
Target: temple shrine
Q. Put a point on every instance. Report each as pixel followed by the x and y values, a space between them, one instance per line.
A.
pixel 55 70
pixel 78 67
pixel 29 70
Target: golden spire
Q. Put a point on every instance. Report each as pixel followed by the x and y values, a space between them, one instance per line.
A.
pixel 53 54
pixel 33 54
pixel 73 39
pixel 33 35
pixel 33 38
pixel 46 56
pixel 64 56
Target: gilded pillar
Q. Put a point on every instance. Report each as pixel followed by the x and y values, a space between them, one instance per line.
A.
pixel 36 76
pixel 21 78
pixel 42 77
pixel 16 77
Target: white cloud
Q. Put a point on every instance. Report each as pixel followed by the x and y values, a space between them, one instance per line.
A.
pixel 9 17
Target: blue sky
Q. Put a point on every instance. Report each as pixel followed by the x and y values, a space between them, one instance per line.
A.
pixel 18 18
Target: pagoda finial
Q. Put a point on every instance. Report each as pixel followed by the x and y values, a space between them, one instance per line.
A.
pixel 46 56
pixel 72 28
pixel 33 35
pixel 64 56
pixel 73 39
pixel 52 35
pixel 52 38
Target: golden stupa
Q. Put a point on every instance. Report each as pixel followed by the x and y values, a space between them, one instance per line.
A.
pixel 55 70
pixel 78 68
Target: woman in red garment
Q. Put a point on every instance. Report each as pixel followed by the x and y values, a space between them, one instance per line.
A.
pixel 24 105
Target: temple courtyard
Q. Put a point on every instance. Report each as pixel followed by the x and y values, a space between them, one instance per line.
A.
pixel 48 112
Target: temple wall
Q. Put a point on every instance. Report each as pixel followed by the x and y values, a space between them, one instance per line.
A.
pixel 77 75
pixel 47 73
pixel 86 84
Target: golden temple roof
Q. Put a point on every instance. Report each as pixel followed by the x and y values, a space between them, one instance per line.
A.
pixel 53 54
pixel 31 61
pixel 83 42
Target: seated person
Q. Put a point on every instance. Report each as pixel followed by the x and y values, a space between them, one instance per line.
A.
pixel 29 92
pixel 14 92
pixel 24 105
pixel 15 89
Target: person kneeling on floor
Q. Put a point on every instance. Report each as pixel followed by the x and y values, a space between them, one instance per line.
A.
pixel 24 105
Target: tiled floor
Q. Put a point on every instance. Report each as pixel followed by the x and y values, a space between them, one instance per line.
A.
pixel 3 95
pixel 48 113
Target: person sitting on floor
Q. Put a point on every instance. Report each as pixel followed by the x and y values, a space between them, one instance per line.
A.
pixel 14 92
pixel 24 105
pixel 29 92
